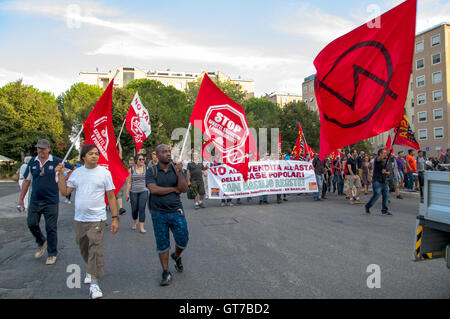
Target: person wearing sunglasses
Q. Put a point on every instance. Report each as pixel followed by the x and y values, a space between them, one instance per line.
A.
pixel 44 199
pixel 137 192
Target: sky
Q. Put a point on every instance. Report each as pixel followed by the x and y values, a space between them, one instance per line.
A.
pixel 273 42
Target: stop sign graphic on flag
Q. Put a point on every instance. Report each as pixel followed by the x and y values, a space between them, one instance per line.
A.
pixel 137 122
pixel 223 122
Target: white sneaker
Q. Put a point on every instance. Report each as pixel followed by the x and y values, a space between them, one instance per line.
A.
pixel 88 278
pixel 95 292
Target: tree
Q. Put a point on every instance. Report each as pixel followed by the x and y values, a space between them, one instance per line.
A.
pixel 293 113
pixel 27 115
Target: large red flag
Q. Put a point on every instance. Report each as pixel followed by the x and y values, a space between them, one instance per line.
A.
pixel 302 151
pixel 223 121
pixel 405 136
pixel 362 79
pixel 98 130
pixel 137 122
pixel 388 143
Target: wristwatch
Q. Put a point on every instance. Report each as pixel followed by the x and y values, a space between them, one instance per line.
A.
pixel 115 217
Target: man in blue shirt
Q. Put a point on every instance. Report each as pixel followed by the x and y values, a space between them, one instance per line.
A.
pixel 166 182
pixel 44 199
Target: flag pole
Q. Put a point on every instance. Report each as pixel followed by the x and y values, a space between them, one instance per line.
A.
pixel 393 142
pixel 70 149
pixel 184 142
pixel 120 133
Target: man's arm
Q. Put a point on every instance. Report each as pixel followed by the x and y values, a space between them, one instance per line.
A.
pixel 188 174
pixel 114 212
pixel 62 186
pixel 182 183
pixel 161 191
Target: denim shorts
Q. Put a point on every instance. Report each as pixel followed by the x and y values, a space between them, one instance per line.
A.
pixel 176 222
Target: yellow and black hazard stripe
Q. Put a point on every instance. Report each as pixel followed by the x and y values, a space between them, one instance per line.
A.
pixel 424 256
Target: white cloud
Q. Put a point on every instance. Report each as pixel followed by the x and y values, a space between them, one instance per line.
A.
pixel 40 80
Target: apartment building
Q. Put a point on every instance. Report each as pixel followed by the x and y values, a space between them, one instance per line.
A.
pixel 431 86
pixel 283 98
pixel 308 93
pixel 179 80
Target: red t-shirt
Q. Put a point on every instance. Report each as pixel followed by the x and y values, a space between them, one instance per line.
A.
pixel 412 163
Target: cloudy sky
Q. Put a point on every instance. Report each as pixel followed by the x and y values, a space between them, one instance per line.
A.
pixel 273 42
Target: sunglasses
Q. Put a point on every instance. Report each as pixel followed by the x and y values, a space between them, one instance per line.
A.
pixel 140 159
pixel 42 171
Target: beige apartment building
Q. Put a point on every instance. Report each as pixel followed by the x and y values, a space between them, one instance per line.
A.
pixel 308 93
pixel 281 98
pixel 431 86
pixel 179 80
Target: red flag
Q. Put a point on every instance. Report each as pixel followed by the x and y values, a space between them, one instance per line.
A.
pixel 388 143
pixel 405 136
pixel 205 153
pixel 362 79
pixel 442 154
pixel 137 122
pixel 98 130
pixel 223 121
pixel 298 152
pixel 279 143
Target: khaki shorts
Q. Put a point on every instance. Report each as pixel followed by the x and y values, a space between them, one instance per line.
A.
pixel 352 181
pixel 198 187
pixel 89 237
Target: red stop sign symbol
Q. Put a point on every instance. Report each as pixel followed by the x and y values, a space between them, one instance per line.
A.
pixel 226 127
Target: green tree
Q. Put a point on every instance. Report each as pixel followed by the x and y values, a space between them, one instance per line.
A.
pixel 293 113
pixel 27 115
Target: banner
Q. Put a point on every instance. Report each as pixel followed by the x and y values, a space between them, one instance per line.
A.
pixel 264 178
pixel 362 79
pixel 138 122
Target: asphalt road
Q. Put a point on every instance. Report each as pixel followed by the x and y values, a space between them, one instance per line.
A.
pixel 298 249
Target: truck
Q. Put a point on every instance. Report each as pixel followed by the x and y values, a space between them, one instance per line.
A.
pixel 432 238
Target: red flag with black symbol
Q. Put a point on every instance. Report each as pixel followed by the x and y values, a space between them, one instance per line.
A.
pixel 442 154
pixel 405 136
pixel 98 130
pixel 362 79
pixel 137 122
pixel 223 121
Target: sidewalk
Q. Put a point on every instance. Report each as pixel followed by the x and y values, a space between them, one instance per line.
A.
pixel 8 206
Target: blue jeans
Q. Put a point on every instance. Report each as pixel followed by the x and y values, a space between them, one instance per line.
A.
pixel 319 179
pixel 138 202
pixel 410 182
pixel 383 189
pixel 338 180
pixel 50 212
pixel 263 198
pixel 162 223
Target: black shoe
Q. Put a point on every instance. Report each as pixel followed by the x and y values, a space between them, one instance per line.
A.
pixel 399 197
pixel 285 199
pixel 386 213
pixel 178 264
pixel 122 211
pixel 260 202
pixel 367 210
pixel 166 278
pixel 266 202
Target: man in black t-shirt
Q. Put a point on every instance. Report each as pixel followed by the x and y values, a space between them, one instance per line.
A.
pixel 195 172
pixel 379 182
pixel 353 178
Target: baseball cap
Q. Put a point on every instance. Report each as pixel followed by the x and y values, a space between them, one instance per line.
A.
pixel 43 143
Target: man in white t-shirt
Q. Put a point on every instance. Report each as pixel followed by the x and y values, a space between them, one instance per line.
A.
pixel 91 182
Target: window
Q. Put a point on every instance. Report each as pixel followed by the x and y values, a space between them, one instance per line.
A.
pixel 421 99
pixel 419 46
pixel 421 81
pixel 437 77
pixel 420 64
pixel 422 116
pixel 423 134
pixel 412 102
pixel 306 101
pixel 437 95
pixel 305 89
pixel 178 86
pixel 438 132
pixel 436 40
pixel 412 119
pixel 311 99
pixel 311 88
pixel 438 114
pixel 283 101
pixel 436 58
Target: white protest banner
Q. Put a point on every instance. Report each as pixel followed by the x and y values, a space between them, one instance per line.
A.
pixel 264 178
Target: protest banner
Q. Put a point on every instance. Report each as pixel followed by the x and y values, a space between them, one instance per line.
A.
pixel 264 178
